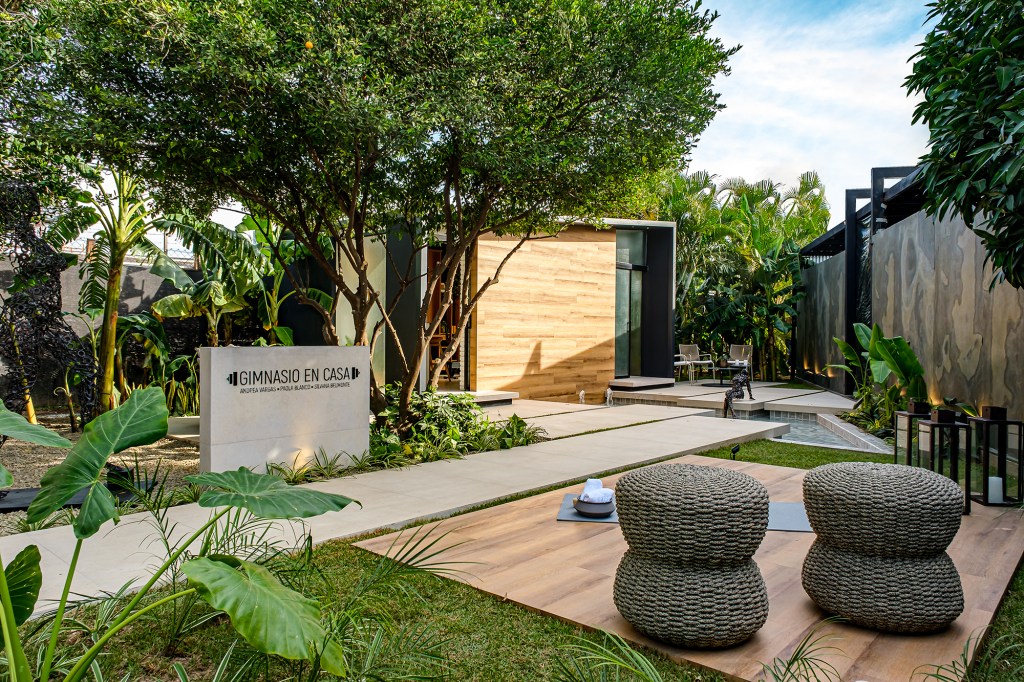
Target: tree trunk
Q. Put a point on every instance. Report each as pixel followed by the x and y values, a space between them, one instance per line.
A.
pixel 404 403
pixel 30 408
pixel 212 322
pixel 108 335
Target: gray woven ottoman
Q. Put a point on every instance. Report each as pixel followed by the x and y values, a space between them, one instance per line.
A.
pixel 880 556
pixel 688 577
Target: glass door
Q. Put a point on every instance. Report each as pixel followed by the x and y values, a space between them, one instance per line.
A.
pixel 628 319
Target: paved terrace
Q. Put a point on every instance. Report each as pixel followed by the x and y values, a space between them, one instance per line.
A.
pixel 768 397
pixel 395 497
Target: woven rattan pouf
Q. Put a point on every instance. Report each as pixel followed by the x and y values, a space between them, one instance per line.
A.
pixel 688 577
pixel 880 556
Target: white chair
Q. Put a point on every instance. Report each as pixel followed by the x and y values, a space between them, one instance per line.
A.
pixel 690 357
pixel 740 355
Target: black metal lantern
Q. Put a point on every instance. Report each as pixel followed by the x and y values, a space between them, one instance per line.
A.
pixel 942 443
pixel 998 469
pixel 905 443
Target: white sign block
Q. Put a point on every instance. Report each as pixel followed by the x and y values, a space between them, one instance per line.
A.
pixel 281 404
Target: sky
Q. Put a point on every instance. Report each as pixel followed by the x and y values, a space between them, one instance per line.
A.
pixel 817 85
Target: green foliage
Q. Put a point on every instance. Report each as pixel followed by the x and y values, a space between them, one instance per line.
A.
pixel 880 359
pixel 141 420
pixel 224 572
pixel 737 263
pixel 24 580
pixel 220 291
pixel 614 659
pixel 517 432
pixel 441 426
pixel 13 425
pixel 265 496
pixel 970 72
pixel 808 660
pixel 990 663
pixel 271 617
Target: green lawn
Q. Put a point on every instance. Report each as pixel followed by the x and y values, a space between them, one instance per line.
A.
pixel 486 639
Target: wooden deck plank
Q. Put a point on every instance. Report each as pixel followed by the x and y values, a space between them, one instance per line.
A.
pixel 566 570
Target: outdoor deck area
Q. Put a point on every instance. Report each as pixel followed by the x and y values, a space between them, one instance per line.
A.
pixel 519 552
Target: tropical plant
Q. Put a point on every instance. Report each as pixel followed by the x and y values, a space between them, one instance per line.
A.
pixel 880 360
pixel 516 432
pixel 280 253
pixel 268 615
pixel 218 292
pixel 737 259
pixel 969 71
pixel 125 218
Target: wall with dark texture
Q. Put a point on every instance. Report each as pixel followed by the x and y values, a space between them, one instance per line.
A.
pixel 819 319
pixel 931 286
pixel 140 288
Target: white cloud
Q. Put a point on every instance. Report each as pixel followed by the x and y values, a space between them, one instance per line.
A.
pixel 815 86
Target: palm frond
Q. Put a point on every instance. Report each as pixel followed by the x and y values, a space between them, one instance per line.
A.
pixel 591 661
pixel 216 245
pixel 807 662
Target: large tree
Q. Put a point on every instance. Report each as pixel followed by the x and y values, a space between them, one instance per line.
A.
pixel 970 71
pixel 430 121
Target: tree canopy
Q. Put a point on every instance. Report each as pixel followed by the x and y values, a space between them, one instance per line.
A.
pixel 441 119
pixel 970 70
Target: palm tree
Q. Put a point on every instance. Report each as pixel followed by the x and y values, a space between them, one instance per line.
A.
pixel 125 218
pixel 738 256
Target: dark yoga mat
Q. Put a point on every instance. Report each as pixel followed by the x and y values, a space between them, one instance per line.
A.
pixel 567 513
pixel 784 516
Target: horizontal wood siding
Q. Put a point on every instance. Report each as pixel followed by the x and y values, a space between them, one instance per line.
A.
pixel 547 328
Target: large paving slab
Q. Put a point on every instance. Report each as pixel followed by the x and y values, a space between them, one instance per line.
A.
pixel 391 498
pixel 576 423
pixel 519 552
pixel 535 408
pixel 822 402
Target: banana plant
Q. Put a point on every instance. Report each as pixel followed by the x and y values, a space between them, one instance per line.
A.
pixel 269 238
pixel 290 627
pixel 219 292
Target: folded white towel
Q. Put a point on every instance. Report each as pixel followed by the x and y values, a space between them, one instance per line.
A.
pixel 593 492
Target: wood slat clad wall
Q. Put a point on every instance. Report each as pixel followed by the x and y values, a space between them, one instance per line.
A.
pixel 547 328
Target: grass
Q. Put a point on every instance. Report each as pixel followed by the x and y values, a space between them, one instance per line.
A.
pixel 783 454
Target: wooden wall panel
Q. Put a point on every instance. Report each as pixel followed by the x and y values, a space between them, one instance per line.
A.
pixel 547 328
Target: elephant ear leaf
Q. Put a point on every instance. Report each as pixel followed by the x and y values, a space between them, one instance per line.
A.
pixel 24 580
pixel 6 480
pixel 14 425
pixel 271 617
pixel 267 497
pixel 141 420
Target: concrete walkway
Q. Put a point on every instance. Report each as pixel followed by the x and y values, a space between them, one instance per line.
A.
pixel 393 498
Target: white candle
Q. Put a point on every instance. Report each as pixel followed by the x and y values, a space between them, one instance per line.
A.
pixel 995 490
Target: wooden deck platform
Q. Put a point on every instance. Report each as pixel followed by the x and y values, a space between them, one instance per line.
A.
pixel 566 570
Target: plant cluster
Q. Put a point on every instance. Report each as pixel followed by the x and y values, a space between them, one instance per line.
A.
pixel 886 374
pixel 234 565
pixel 442 426
pixel 737 260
